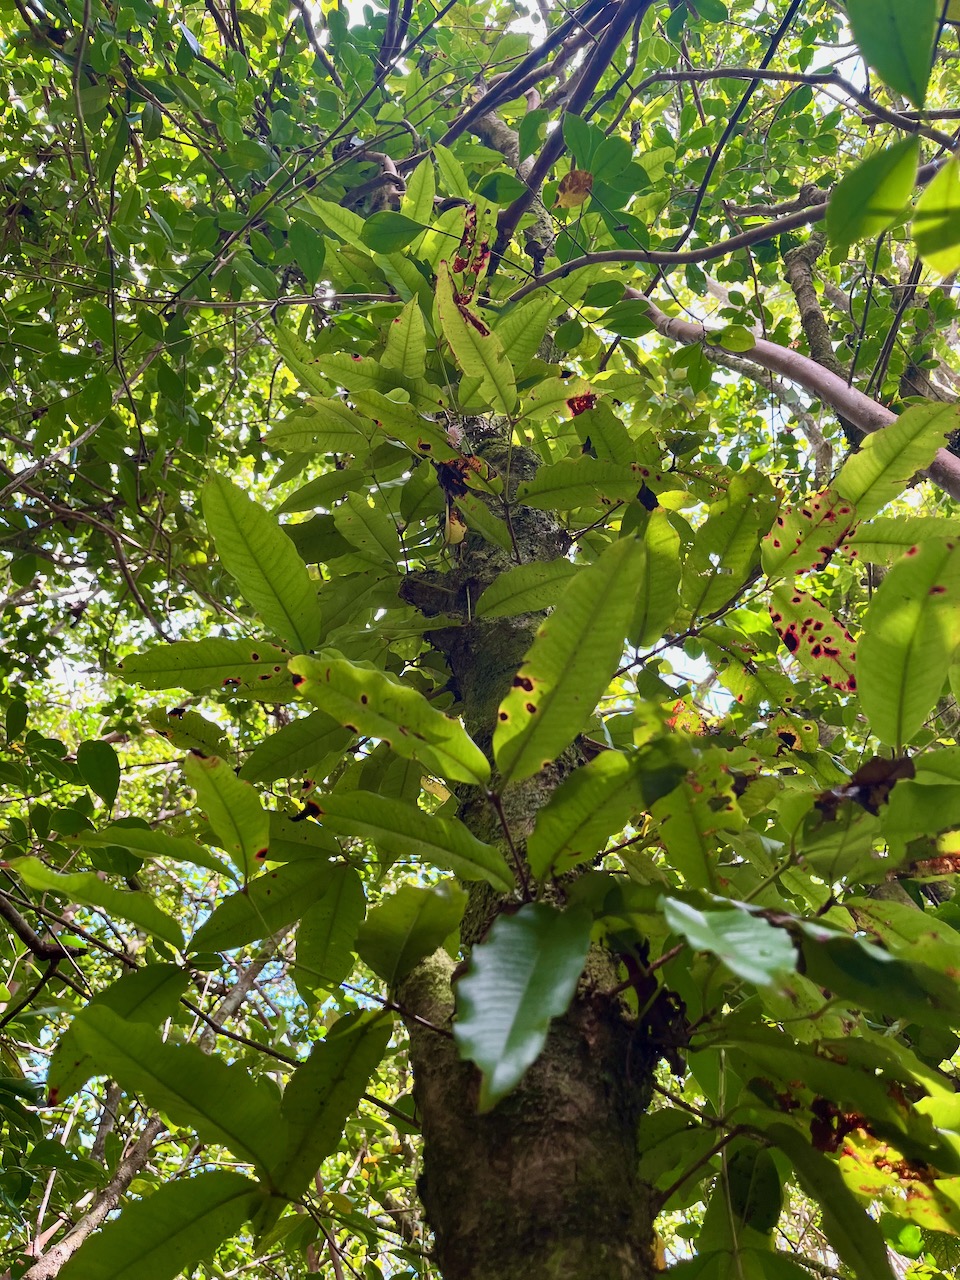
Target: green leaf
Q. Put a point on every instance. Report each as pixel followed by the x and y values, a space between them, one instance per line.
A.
pixel 748 945
pixel 521 328
pixel 726 547
pixel 87 887
pixel 297 749
pixel 571 662
pixel 150 995
pixel 937 218
pixel 521 977
pixel 369 529
pixel 884 540
pixel 478 516
pixel 870 197
pixel 476 348
pixel 240 667
pixel 233 809
pixel 176 1227
pixel 406 349
pixel 189 730
pixel 580 482
pixel 878 472
pixel 896 40
pixel 910 635
pixel 323 490
pixel 848 1228
pixel 328 933
pixel 592 804
pixel 260 556
pixel 342 222
pixel 408 925
pixel 658 591
pixel 100 769
pixel 265 905
pixel 528 588
pixel 130 833
pixel 323 1093
pixel 321 426
pixel 369 702
pixel 402 831
pixel 221 1103
pixel 388 232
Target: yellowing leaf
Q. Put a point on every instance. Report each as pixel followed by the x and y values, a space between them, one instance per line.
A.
pixel 574 188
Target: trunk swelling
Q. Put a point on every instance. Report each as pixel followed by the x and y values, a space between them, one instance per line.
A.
pixel 546 1185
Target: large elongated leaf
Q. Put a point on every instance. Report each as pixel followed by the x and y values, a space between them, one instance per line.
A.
pixel 406 349
pixel 368 701
pixel 322 425
pixel 807 534
pixel 815 638
pixel 410 924
pixel 887 538
pixel 256 551
pixel 526 589
pixel 753 948
pixel 143 840
pixel 580 482
pixel 222 1103
pixel 268 903
pixel 887 459
pixel 233 808
pixel 594 803
pixel 855 1236
pixel 87 887
pixel 476 348
pixel 242 668
pixel 910 635
pixel 657 593
pixel 402 831
pixel 936 220
pixel 575 654
pixel 369 529
pixel 896 39
pixel 522 977
pixel 296 749
pixel 328 933
pixel 147 995
pixel 868 198
pixel 324 1092
pixel 727 545
pixel 176 1227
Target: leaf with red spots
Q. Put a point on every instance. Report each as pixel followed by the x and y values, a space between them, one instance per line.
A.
pixel 815 638
pixel 806 536
pixel 378 706
pixel 571 662
pixel 476 349
pixel 244 669
pixel 887 538
pixel 556 397
pixel 878 472
pixel 233 809
pixel 910 636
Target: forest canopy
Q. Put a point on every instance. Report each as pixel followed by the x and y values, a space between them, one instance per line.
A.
pixel 480 632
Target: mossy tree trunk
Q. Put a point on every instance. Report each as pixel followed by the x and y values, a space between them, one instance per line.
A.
pixel 546 1185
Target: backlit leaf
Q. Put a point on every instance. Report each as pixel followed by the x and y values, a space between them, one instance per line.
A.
pixel 239 667
pixel 476 348
pixel 408 925
pixel 268 903
pixel 936 220
pixel 896 39
pixel 233 809
pixel 328 932
pixel 873 195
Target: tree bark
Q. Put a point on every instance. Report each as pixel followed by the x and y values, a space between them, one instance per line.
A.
pixel 547 1183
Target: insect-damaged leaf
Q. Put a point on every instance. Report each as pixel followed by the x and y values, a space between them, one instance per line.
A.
pixel 910 635
pixel 257 552
pixel 368 701
pixel 520 978
pixel 806 536
pixel 476 348
pixel 222 1103
pixel 239 667
pixel 402 831
pixel 815 638
pixel 173 1229
pixel 571 662
pixel 266 904
pixel 233 809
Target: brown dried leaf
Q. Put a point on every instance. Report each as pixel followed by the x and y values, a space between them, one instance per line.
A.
pixel 574 188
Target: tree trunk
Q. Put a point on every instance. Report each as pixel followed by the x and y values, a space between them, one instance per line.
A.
pixel 546 1185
